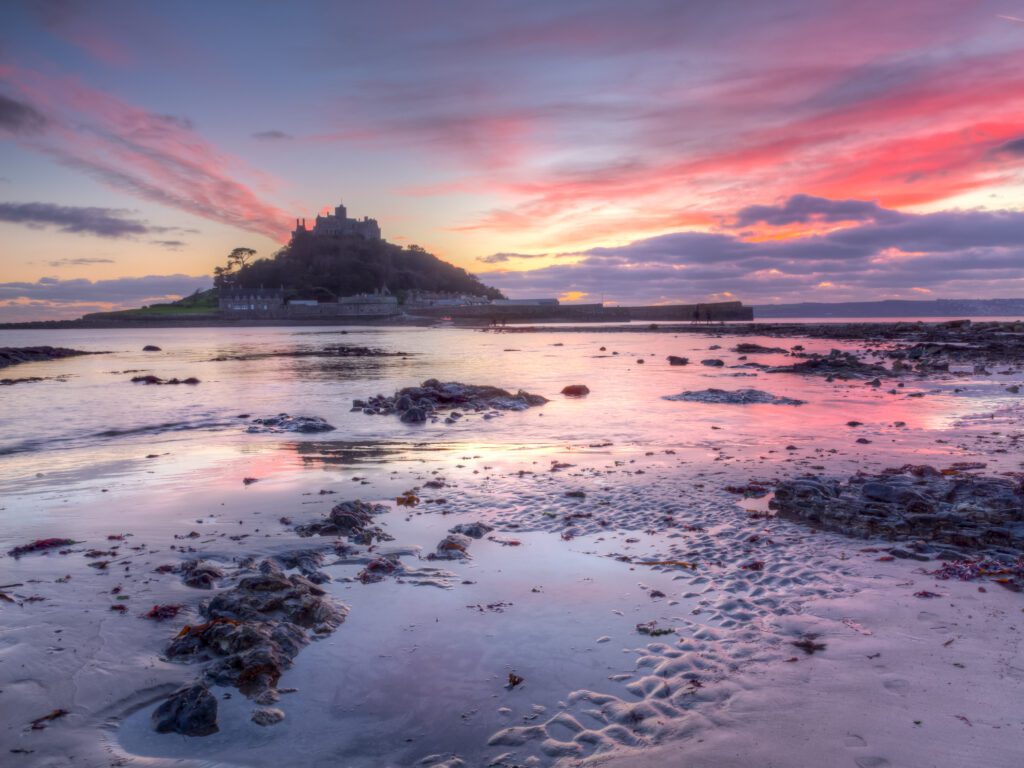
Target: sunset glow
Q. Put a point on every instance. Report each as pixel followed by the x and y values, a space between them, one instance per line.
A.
pixel 644 153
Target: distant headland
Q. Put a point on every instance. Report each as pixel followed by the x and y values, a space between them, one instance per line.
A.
pixel 342 271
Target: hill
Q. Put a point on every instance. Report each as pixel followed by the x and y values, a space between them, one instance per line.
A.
pixel 325 268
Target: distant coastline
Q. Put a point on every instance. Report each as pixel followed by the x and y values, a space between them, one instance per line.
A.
pixel 928 308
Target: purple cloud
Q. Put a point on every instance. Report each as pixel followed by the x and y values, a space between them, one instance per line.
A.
pixel 804 209
pixel 889 255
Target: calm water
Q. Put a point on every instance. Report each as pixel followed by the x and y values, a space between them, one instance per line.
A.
pixel 95 425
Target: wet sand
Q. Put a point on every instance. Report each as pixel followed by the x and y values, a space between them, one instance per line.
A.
pixel 417 673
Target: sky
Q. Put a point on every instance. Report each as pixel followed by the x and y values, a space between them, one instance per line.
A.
pixel 632 153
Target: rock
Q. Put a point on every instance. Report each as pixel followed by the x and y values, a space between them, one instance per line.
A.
pixel 675 360
pixel 713 363
pixel 255 629
pixel 879 491
pixel 191 711
pixel 199 574
pixel 455 546
pixel 378 568
pixel 433 397
pixel 414 415
pixel 308 563
pixel 836 364
pixel 151 348
pixel 267 716
pixel 476 530
pixel 576 390
pixel 757 349
pixel 351 519
pixel 286 423
pixel 735 397
pixel 966 512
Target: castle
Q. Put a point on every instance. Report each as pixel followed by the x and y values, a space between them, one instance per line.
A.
pixel 339 223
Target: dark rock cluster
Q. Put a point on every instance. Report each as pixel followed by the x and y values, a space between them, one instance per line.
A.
pixel 951 512
pixel 417 404
pixel 252 633
pixel 151 379
pixel 746 348
pixel 937 356
pixel 352 520
pixel 16 355
pixel 835 365
pixel 283 422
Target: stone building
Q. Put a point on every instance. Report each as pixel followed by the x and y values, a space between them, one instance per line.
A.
pixel 338 223
pixel 250 300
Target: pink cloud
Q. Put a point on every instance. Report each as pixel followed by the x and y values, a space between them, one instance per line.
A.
pixel 159 158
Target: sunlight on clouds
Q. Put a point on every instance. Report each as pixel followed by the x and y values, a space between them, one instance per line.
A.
pixel 572 295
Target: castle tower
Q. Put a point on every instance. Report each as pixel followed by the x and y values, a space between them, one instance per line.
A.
pixel 341 212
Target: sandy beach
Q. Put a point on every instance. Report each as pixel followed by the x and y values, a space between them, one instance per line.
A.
pixel 635 595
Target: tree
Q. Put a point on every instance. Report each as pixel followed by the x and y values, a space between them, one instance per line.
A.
pixel 238 259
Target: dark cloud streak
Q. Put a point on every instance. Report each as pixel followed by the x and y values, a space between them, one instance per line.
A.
pixel 102 222
pixel 20 117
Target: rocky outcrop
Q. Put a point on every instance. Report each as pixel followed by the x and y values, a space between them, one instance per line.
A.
pixel 252 633
pixel 954 511
pixel 734 397
pixel 836 365
pixel 283 422
pixel 17 355
pixel 351 520
pixel 417 404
